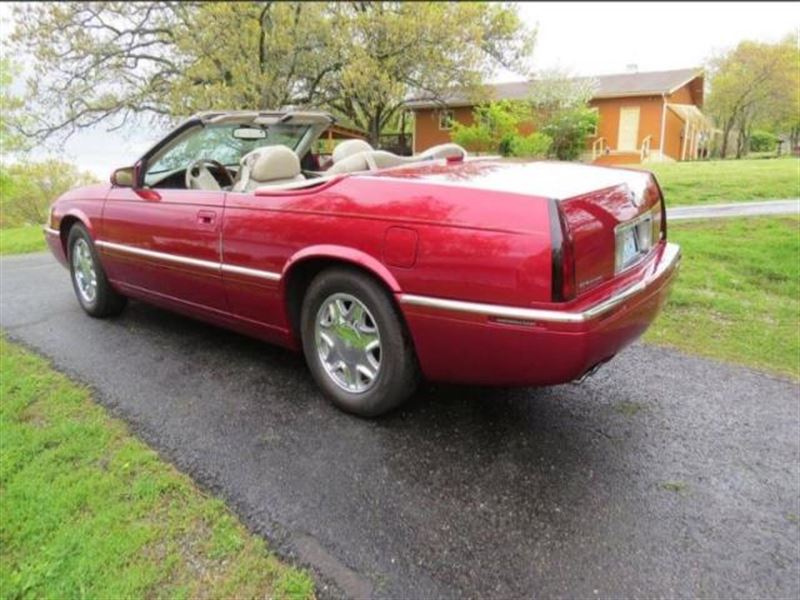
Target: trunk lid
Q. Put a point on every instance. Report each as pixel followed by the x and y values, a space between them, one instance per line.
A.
pixel 547 179
pixel 613 229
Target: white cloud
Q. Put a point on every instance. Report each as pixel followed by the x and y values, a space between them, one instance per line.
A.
pixel 594 38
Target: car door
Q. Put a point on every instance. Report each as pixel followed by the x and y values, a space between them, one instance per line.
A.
pixel 165 242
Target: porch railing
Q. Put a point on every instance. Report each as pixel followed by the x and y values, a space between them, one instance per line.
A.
pixel 644 151
pixel 598 147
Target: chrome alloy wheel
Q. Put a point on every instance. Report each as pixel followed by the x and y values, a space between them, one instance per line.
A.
pixel 83 271
pixel 348 342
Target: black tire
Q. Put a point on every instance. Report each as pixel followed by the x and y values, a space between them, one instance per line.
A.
pixel 398 373
pixel 105 302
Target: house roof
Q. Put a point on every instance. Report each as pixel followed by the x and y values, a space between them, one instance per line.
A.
pixel 619 85
pixel 689 113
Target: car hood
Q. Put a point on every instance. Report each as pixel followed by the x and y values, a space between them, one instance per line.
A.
pixel 547 179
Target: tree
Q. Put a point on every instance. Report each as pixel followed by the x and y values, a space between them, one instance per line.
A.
pixel 494 125
pixel 387 50
pixel 114 61
pixel 29 188
pixel 10 113
pixel 754 85
pixel 560 105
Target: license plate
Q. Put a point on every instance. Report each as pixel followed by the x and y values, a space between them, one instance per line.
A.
pixel 634 240
pixel 630 245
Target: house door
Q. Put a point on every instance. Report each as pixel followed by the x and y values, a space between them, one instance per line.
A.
pixel 628 128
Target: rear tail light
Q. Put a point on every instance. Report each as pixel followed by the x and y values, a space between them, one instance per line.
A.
pixel 563 253
pixel 659 214
pixel 657 222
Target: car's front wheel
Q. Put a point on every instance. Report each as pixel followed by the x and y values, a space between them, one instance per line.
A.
pixel 355 343
pixel 95 294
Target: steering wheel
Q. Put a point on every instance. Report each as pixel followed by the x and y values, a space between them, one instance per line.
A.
pixel 198 177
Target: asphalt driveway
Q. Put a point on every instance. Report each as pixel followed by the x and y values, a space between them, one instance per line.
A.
pixel 664 475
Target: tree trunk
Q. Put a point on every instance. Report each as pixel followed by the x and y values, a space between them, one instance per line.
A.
pixel 403 129
pixel 743 139
pixel 726 132
pixel 374 133
pixel 377 121
pixel 748 133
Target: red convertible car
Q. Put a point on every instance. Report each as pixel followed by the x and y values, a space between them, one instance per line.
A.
pixel 382 269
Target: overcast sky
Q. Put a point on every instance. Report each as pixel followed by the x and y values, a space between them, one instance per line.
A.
pixel 591 38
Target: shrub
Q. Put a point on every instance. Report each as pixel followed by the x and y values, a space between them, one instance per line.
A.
pixel 559 112
pixel 475 138
pixel 763 141
pixel 535 145
pixel 568 130
pixel 505 144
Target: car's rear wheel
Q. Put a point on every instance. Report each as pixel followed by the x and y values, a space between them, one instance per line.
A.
pixel 355 343
pixel 95 294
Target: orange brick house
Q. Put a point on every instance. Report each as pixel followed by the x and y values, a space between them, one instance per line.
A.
pixel 643 116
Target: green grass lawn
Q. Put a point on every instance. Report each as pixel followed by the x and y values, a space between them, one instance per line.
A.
pixel 90 511
pixel 737 297
pixel 719 181
pixel 18 240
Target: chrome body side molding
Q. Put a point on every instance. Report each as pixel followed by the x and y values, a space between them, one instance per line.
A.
pixel 234 269
pixel 185 260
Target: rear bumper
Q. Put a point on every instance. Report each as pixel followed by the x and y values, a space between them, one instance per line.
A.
pixel 504 345
pixel 53 239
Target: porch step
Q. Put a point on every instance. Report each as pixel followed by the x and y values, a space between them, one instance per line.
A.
pixel 618 157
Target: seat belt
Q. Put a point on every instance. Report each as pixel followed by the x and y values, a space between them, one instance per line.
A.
pixel 244 171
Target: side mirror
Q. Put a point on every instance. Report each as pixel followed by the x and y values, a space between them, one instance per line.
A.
pixel 123 177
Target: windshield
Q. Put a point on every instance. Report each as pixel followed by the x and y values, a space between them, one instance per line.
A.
pixel 217 142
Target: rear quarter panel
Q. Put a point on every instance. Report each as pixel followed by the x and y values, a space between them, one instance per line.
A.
pixel 472 245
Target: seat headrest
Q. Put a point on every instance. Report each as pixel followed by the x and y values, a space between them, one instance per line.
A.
pixel 275 162
pixel 349 148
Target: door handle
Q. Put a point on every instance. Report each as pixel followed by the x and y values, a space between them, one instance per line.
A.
pixel 206 218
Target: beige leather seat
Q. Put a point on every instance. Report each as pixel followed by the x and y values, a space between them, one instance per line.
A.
pixel 268 166
pixel 349 148
pixel 365 161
